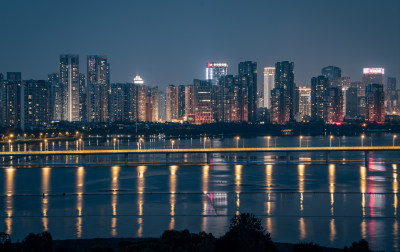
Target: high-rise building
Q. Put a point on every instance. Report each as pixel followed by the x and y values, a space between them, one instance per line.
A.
pixel 215 70
pixel 373 76
pixel 1 77
pixel 152 104
pixel 181 102
pixel 391 96
pixel 202 100
pixel 97 88
pixel 189 100
pixel 235 101
pixel 162 106
pixel 331 72
pixel 69 79
pixel 283 95
pixel 248 78
pixel 269 83
pixel 118 102
pixel 375 103
pixel 350 103
pixel 55 97
pixel 319 93
pixel 141 98
pixel 304 102
pixel 37 103
pixel 172 103
pixel 12 102
pixel 333 106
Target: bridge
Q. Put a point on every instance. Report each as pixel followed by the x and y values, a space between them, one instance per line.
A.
pixel 207 151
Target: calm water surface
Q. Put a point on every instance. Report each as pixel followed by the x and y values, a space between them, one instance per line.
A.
pixel 107 196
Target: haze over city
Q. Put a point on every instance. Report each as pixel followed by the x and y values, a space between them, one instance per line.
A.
pixel 171 41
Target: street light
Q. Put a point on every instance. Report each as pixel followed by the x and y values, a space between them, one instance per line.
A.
pixel 330 141
pixel 9 145
pixel 45 144
pixel 237 141
pixel 114 140
pixel 394 137
pixel 172 143
pixel 301 137
pixel 362 140
pixel 268 137
pixel 205 139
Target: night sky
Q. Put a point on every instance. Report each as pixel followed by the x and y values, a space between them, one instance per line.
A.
pixel 171 41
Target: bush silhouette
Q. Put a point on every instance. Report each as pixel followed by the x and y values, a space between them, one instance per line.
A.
pixel 360 246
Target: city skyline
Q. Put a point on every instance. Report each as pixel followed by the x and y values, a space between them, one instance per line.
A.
pixel 170 47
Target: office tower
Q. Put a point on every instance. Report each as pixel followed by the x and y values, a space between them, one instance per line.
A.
pixel 331 72
pixel 152 104
pixel 1 77
pixel 12 101
pixel 118 102
pixel 97 88
pixel 161 106
pixel 181 102
pixel 235 101
pixel 282 96
pixel 375 103
pixel 373 76
pixel 342 82
pixel 350 102
pixel 248 78
pixel 202 101
pixel 82 98
pixel 216 70
pixel 172 103
pixel 36 98
pixel 189 100
pixel 69 79
pixel 319 91
pixel 304 102
pixel 391 96
pixel 56 97
pixel 269 83
pixel 333 107
pixel 140 98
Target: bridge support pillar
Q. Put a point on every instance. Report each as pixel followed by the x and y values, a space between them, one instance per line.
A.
pixel 327 154
pixel 366 159
pixel 287 157
pixel 167 158
pixel 208 158
pixel 126 158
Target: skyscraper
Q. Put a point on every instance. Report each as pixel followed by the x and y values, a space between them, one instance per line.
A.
pixel 304 102
pixel 373 76
pixel 69 79
pixel 12 101
pixel 189 100
pixel 319 92
pixel 215 70
pixel 375 103
pixel 141 98
pixel 248 78
pixel 152 104
pixel 172 103
pixel 331 72
pixel 282 96
pixel 181 102
pixel 55 97
pixel 350 102
pixel 97 88
pixel 36 98
pixel 333 106
pixel 269 82
pixel 391 96
pixel 202 101
pixel 161 106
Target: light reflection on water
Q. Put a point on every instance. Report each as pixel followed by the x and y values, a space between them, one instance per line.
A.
pixel 9 206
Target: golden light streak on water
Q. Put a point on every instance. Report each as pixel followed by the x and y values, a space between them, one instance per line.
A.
pixel 300 171
pixel 9 188
pixel 205 179
pixel 396 234
pixel 363 186
pixel 364 229
pixel 268 225
pixel 238 178
pixel 268 172
pixel 80 183
pixel 332 185
pixel 45 198
pixel 172 189
pixel 302 229
pixel 140 188
pixel 332 231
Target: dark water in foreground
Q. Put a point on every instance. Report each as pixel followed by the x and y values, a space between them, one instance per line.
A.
pixel 330 204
